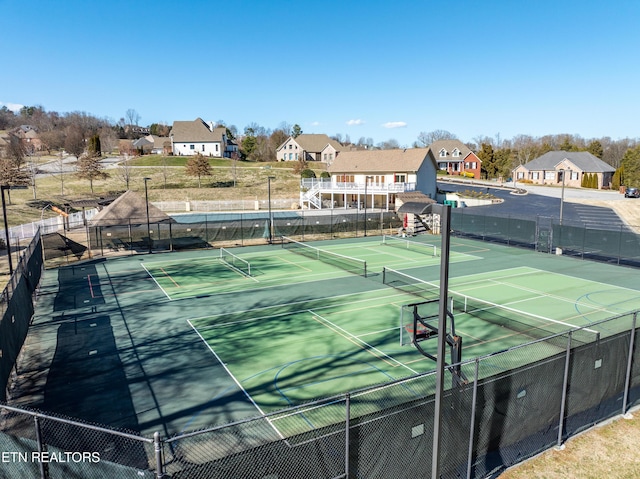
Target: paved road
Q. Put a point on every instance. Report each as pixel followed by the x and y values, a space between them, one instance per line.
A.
pixel 540 201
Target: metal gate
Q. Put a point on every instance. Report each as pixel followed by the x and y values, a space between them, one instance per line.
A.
pixel 544 234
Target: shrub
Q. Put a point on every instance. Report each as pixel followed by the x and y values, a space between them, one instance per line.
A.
pixel 307 173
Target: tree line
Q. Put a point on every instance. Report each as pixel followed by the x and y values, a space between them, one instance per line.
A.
pixel 73 131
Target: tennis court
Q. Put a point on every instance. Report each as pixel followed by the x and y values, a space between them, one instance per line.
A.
pixel 211 337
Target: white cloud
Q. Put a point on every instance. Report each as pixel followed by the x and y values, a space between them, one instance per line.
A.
pixel 355 122
pixel 395 124
pixel 15 107
pixel 315 123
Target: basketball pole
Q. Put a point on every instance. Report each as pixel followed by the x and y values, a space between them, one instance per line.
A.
pixel 445 231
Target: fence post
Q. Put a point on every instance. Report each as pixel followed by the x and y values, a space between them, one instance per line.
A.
pixel 565 383
pixel 472 429
pixel 627 380
pixel 157 445
pixel 347 424
pixel 44 473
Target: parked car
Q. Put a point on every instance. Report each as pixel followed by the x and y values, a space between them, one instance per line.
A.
pixel 632 193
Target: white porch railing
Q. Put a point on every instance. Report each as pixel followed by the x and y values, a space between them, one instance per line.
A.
pixel 326 186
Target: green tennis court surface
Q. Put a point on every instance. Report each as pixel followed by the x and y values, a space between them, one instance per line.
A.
pixel 209 337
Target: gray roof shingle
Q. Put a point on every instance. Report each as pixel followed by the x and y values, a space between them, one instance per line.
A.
pixel 196 130
pixel 365 161
pixel 584 160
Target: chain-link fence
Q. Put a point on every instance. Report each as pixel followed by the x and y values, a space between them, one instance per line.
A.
pixel 617 245
pixel 205 230
pixel 516 404
pixel 16 304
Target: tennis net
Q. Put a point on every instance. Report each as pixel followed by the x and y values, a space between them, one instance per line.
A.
pixel 522 322
pixel 235 262
pixel 347 263
pixel 410 245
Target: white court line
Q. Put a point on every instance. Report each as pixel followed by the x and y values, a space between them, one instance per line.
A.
pixel 237 270
pixel 347 335
pixel 237 382
pixel 155 281
pixel 306 301
pixel 544 294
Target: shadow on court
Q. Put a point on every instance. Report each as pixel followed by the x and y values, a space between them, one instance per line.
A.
pixel 86 381
pixel 75 289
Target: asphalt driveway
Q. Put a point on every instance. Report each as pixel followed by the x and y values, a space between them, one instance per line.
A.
pixel 533 204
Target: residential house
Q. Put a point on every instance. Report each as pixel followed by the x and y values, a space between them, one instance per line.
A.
pixel 198 136
pixel 153 144
pixel 565 167
pixel 136 131
pixel 455 158
pixel 310 147
pixel 371 178
pixel 28 136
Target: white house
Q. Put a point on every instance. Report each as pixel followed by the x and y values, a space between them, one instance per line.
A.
pixel 310 147
pixel 372 179
pixel 198 136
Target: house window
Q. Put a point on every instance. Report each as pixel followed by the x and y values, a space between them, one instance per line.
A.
pixel 290 146
pixel 456 152
pixel 325 157
pixel 442 166
pixel 217 148
pixel 520 175
pixel 443 153
pixel 296 157
pixel 535 175
pixel 550 175
pixel 400 179
pixel 202 147
pixel 192 147
pixel 331 156
pixel 574 175
pixel 290 156
pixel 473 165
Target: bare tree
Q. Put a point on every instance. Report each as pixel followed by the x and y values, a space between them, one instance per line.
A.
pixel 90 168
pixel 60 171
pixel 165 167
pixel 390 144
pixel 74 142
pixel 11 171
pixel 132 117
pixel 525 147
pixel 198 166
pixel 428 137
pixel 125 170
pixel 108 139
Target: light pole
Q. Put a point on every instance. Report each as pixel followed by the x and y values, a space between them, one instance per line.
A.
pixel 146 198
pixel 366 182
pixel 269 178
pixel 42 215
pixel 562 172
pixel 6 228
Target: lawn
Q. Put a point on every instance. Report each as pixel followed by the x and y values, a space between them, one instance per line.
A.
pixel 242 181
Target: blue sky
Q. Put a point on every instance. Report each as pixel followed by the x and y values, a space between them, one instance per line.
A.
pixel 373 69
